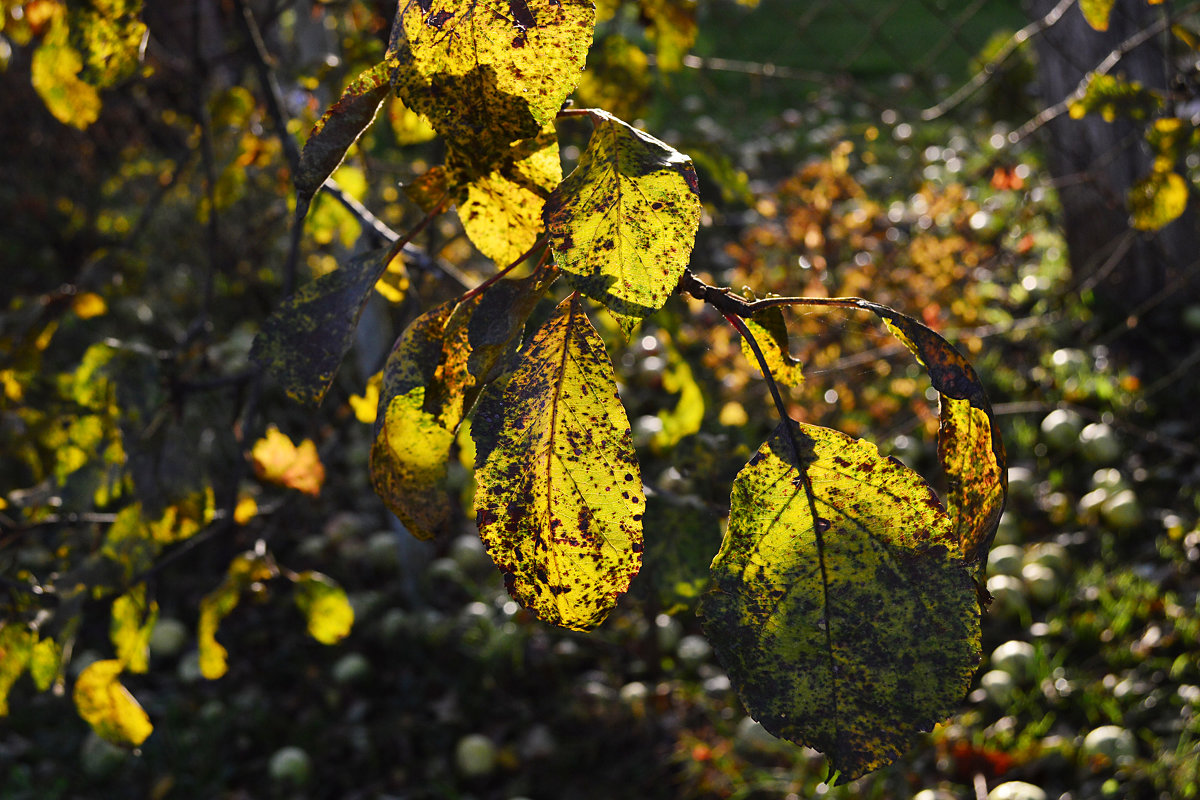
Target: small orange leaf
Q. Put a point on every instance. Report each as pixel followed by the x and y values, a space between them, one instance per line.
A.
pixel 278 460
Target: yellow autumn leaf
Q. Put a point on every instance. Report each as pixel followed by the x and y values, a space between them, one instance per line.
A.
pixel 55 76
pixel 16 643
pixel 280 461
pixel 132 623
pixel 245 510
pixel 1157 200
pixel 325 606
pixel 88 304
pixel 244 571
pixel 559 501
pixel 108 706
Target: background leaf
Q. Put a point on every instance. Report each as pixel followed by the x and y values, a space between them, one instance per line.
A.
pixel 304 341
pixel 16 643
pixel 132 623
pixel 623 223
pixel 244 571
pixel 1157 200
pixel 841 606
pixel 278 460
pixel 770 331
pixel 325 606
pixel 559 497
pixel 108 706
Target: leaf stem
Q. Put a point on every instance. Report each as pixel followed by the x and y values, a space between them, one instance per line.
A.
pixel 483 287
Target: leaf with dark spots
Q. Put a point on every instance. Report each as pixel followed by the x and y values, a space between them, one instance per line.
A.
pixel 339 127
pixel 770 331
pixel 304 341
pixel 501 209
pixel 412 444
pixel 430 382
pixel 623 223
pixel 841 605
pixel 457 63
pixel 970 450
pixel 533 491
pixel 481 332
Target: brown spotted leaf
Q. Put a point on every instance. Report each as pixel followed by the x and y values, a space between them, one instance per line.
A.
pixel 489 72
pixel 430 383
pixel 841 605
pixel 970 449
pixel 304 341
pixel 623 223
pixel 559 497
pixel 339 127
pixel 770 331
pixel 501 211
pixel 412 444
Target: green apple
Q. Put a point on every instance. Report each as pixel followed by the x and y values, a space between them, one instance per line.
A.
pixel 290 765
pixel 1061 428
pixel 1016 790
pixel 1112 742
pixel 1006 559
pixel 475 756
pixel 1017 659
pixel 1099 444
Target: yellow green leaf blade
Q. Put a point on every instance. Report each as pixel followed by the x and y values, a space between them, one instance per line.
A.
pixel 132 623
pixel 45 659
pixel 488 73
pixel 1157 200
pixel 770 331
pixel 279 460
pixel 304 341
pixel 841 606
pixel 110 36
pixel 325 606
pixel 559 497
pixel 623 223
pixel 244 571
pixel 412 444
pixel 16 647
pixel 108 706
pixel 55 76
pixel 502 210
pixel 339 128
pixel 1096 12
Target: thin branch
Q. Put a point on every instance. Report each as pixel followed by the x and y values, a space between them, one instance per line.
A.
pixel 989 69
pixel 1106 65
pixel 518 262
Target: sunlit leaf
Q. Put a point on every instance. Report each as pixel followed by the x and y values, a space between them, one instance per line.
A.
pixel 244 571
pixel 304 341
pixel 245 510
pixel 110 36
pixel 108 706
pixel 366 405
pixel 132 623
pixel 280 461
pixel 325 606
pixel 55 75
pixel 487 73
pixel 1157 200
pixel 339 128
pixel 408 126
pixel 623 223
pixel 502 210
pixel 430 383
pixel 688 413
pixel 841 607
pixel 16 646
pixel 770 331
pixel 559 498
pixel 672 28
pixel 970 449
pixel 617 78
pixel 45 661
pixel 87 305
pixel 1096 12
pixel 411 446
pixel 1112 96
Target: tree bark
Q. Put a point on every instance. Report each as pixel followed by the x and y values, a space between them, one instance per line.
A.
pixel 1094 164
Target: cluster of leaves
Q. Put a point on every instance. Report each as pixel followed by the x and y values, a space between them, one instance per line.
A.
pixel 559 499
pixel 1161 197
pixel 824 530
